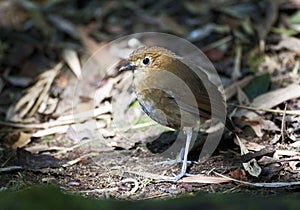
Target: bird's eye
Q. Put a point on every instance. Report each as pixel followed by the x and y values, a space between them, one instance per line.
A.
pixel 146 61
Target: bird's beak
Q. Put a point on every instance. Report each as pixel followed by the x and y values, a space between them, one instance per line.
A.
pixel 127 67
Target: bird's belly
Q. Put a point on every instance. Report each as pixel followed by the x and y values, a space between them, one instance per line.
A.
pixel 162 108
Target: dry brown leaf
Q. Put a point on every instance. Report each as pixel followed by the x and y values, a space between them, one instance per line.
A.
pixel 203 179
pixel 268 125
pixel 289 43
pixel 232 89
pixel 275 139
pixel 271 99
pixel 17 139
pixel 258 125
pixel 253 146
pixel 242 97
pixel 255 125
pixel 267 159
pixel 192 179
pixel 23 140
pixel 251 166
pixel 280 153
pixel 257 129
pixel 239 174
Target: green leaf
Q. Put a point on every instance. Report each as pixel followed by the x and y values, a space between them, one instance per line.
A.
pixel 295 18
pixel 289 32
pixel 259 85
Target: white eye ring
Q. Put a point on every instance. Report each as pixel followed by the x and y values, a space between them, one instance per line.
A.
pixel 146 61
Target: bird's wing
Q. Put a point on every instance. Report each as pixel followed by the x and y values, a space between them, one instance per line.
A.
pixel 209 98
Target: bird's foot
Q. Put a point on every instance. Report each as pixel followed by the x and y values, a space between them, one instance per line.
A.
pixel 183 156
pixel 179 159
pixel 179 176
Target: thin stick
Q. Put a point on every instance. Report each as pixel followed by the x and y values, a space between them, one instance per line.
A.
pixel 217 43
pixel 283 128
pixel 268 185
pixel 289 112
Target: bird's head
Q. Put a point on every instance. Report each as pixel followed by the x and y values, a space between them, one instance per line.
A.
pixel 149 58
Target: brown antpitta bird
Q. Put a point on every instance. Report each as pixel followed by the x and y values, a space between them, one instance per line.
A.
pixel 173 94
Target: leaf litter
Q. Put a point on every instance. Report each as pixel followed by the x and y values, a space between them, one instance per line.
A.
pixel 88 152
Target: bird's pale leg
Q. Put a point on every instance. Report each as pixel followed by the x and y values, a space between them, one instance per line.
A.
pixel 173 161
pixel 189 133
pixel 180 157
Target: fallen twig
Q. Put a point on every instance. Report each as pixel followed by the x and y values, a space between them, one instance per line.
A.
pixel 268 185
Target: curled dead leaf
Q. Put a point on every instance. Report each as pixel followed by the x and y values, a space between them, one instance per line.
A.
pixel 17 139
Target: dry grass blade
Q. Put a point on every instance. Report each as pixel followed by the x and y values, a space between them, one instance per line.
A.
pixel 30 102
pixel 50 131
pixel 72 162
pixel 10 168
pixel 237 63
pixel 64 120
pixel 71 58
